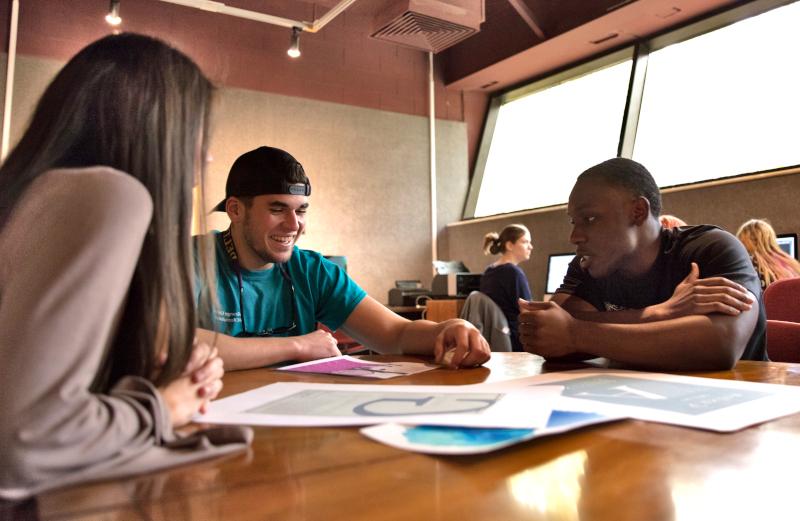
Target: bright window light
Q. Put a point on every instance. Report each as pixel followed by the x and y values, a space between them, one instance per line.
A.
pixel 723 103
pixel 544 140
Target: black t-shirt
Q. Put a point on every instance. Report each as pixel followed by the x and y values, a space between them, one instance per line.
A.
pixel 504 284
pixel 717 254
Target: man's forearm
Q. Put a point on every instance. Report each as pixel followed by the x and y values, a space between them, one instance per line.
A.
pixel 248 353
pixel 626 316
pixel 582 310
pixel 697 342
pixel 375 326
pixel 419 336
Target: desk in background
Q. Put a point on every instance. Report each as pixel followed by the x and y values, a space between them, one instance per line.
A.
pixel 627 470
pixel 409 312
pixel 439 310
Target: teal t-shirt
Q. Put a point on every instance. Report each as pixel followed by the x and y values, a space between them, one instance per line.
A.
pixel 323 292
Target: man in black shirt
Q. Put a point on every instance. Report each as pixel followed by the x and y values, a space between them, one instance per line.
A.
pixel 681 299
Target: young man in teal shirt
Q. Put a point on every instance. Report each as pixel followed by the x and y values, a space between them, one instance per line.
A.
pixel 270 294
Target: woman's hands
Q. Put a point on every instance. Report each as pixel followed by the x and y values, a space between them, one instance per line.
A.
pixel 200 383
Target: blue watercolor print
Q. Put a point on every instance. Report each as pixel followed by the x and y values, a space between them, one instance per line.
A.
pixel 561 418
pixel 462 436
pixel 478 436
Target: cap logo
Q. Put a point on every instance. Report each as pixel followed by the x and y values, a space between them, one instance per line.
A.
pixel 298 189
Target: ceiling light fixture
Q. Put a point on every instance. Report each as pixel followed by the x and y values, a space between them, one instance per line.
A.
pixel 294 48
pixel 113 14
pixel 309 27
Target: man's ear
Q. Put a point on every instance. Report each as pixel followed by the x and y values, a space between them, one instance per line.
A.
pixel 235 209
pixel 640 210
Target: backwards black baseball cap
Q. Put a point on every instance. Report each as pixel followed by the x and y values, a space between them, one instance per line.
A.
pixel 265 170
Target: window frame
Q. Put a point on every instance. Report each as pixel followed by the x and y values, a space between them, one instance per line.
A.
pixel 639 52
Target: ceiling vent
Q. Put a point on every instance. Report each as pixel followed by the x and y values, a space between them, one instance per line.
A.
pixel 428 25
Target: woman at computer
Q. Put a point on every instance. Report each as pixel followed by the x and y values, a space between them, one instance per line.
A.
pixel 97 353
pixel 770 261
pixel 503 281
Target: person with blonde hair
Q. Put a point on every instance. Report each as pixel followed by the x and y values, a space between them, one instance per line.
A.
pixel 769 260
pixel 503 281
pixel 670 221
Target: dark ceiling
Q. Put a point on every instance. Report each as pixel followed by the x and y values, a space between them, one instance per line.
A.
pixel 509 46
pixel 505 32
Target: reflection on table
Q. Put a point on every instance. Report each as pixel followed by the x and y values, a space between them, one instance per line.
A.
pixel 628 470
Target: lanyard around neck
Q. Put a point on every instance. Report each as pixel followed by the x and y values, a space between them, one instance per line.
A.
pixel 230 249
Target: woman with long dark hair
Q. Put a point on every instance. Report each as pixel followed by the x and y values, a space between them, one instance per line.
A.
pixel 97 318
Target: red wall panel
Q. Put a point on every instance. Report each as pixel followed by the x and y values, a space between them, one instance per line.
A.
pixel 339 64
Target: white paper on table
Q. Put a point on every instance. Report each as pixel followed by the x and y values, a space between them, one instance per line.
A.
pixel 432 439
pixel 319 405
pixel 690 401
pixel 350 366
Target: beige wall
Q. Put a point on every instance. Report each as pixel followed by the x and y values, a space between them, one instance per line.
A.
pixel 369 172
pixel 369 175
pixel 31 77
pixel 774 198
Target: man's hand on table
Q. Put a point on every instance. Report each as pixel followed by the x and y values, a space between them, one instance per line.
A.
pixel 460 344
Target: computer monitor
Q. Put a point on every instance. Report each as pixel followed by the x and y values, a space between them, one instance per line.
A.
pixel 788 243
pixel 557 265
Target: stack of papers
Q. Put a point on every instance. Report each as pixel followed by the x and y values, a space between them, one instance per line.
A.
pixel 471 419
pixel 688 401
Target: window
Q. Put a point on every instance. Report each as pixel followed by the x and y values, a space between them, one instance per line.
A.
pixel 723 103
pixel 720 104
pixel 542 141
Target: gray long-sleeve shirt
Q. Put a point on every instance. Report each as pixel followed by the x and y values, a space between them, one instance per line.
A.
pixel 67 255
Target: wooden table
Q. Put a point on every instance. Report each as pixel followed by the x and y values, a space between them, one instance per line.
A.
pixel 629 470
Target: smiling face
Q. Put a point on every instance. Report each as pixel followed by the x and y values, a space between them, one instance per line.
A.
pixel 268 228
pixel 604 227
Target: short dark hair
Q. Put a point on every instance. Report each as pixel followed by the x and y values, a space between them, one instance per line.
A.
pixel 631 176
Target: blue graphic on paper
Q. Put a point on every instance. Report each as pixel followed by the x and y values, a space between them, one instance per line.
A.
pixel 684 398
pixel 462 436
pixel 482 437
pixel 564 418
